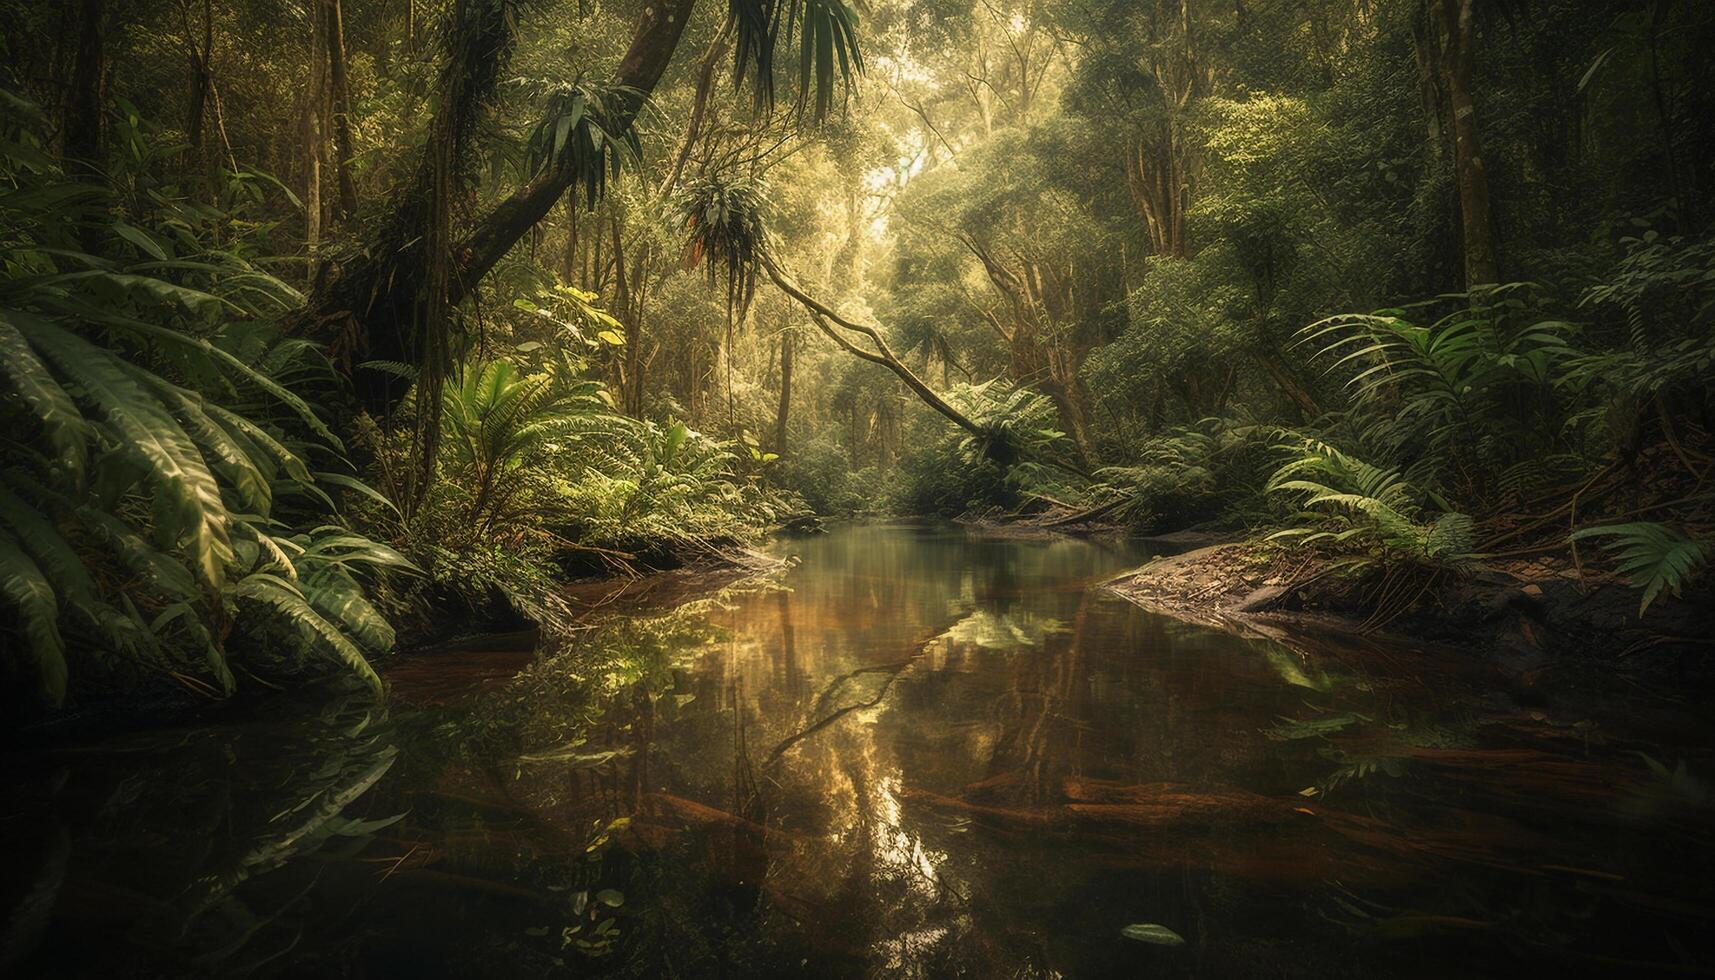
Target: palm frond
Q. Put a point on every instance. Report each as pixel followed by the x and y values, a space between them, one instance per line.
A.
pixel 1655 557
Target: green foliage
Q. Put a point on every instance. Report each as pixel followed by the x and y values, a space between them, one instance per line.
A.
pixel 1499 402
pixel 1211 471
pixel 938 481
pixel 822 474
pixel 669 486
pixel 537 472
pixel 1661 362
pixel 827 42
pixel 498 422
pixel 1017 423
pixel 153 464
pixel 488 522
pixel 586 129
pixel 1657 558
pixel 723 218
pixel 1368 511
pixel 1184 331
pixel 998 467
pixel 1477 385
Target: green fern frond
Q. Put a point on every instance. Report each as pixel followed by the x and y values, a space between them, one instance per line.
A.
pixel 1656 558
pixel 27 590
pixel 318 633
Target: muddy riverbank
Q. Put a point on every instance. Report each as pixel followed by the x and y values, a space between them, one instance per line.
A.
pixel 1525 613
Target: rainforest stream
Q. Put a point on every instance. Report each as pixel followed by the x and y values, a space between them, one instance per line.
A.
pixel 913 751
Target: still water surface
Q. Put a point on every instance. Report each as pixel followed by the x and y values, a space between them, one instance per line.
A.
pixel 917 752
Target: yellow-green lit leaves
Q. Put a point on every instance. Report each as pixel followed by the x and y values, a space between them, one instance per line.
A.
pixel 64 428
pixel 27 591
pixel 1153 933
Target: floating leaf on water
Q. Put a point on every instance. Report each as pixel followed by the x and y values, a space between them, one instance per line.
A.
pixel 1291 729
pixel 363 828
pixel 578 760
pixel 1152 932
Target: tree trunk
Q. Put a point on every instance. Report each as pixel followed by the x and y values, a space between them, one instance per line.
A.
pixel 1161 169
pixel 82 143
pixel 780 417
pixel 699 108
pixel 1451 22
pixel 314 119
pixel 640 70
pixel 201 81
pixel 569 258
pixel 1277 369
pixel 630 389
pixel 340 97
pixel 370 306
pixel 832 323
pixel 1069 403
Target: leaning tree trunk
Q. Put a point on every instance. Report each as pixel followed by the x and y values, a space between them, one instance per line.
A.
pixel 640 71
pixel 371 307
pixel 1276 367
pixel 832 324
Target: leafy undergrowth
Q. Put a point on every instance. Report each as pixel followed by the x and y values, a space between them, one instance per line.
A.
pixel 537 479
pixel 168 498
pixel 1504 429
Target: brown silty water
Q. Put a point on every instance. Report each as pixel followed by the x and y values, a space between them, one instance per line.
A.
pixel 917 752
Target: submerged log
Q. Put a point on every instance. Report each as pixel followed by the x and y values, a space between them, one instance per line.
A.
pixel 1164 804
pixel 1157 806
pixel 1134 818
pixel 1023 818
pixel 1531 774
pixel 658 807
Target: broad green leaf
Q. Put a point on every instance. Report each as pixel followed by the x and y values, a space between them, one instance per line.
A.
pixel 187 502
pixel 67 431
pixel 141 239
pixel 1151 932
pixel 285 599
pixel 28 592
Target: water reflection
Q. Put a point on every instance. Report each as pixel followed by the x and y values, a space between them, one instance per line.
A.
pixel 921 752
pixel 194 851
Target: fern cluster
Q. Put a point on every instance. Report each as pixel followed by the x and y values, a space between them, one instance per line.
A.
pixel 536 470
pixel 1493 405
pixel 160 492
pixel 1186 475
pixel 1370 511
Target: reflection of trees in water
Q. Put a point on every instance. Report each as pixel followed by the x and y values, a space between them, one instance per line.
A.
pixel 197 846
pixel 845 850
pixel 1034 741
